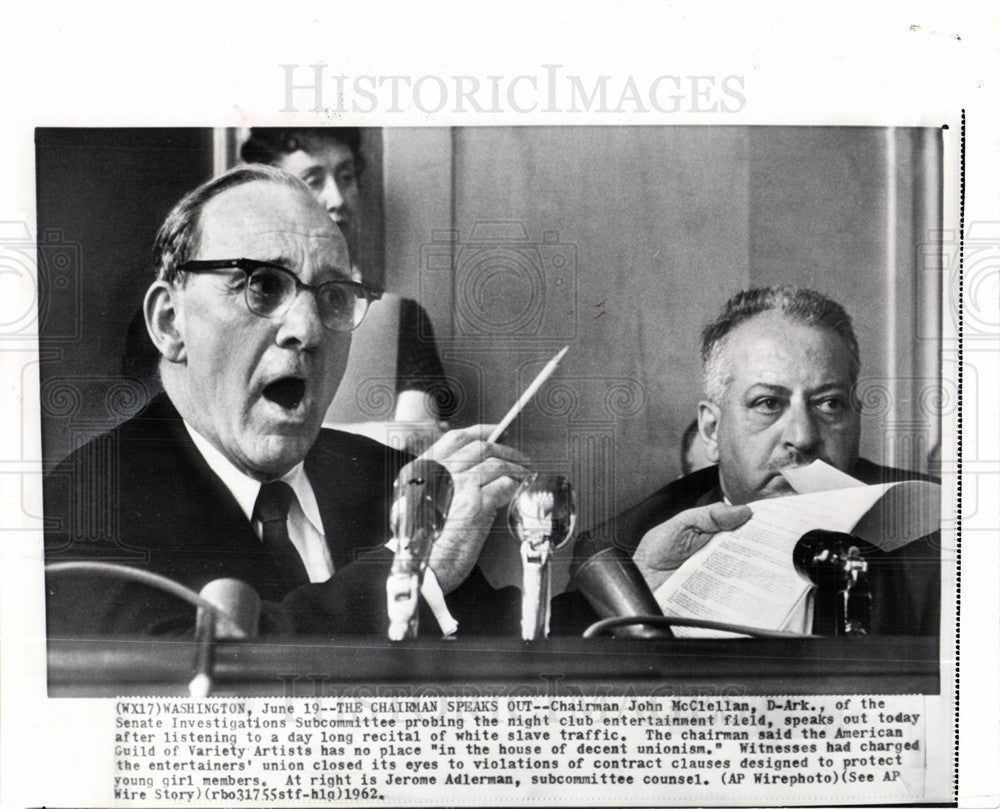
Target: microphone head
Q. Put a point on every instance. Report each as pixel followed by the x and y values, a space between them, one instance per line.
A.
pixel 543 510
pixel 420 470
pixel 238 608
pixel 423 492
pixel 820 556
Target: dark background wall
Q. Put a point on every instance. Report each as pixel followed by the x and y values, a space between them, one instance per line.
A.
pixel 102 193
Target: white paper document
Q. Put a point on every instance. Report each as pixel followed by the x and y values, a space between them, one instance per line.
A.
pixel 747 577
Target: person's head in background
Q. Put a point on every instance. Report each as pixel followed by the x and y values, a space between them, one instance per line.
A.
pixel 694 450
pixel 327 159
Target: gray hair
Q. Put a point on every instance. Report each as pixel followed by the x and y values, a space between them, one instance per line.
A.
pixel 803 305
pixel 177 239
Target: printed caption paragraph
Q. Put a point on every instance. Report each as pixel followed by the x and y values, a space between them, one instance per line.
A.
pixel 505 749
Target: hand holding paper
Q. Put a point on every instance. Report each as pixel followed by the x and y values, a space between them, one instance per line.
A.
pixel 666 547
pixel 745 575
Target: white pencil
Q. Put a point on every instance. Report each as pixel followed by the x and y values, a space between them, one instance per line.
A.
pixel 529 392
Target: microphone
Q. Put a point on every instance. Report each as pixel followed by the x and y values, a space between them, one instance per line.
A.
pixel 423 490
pixel 235 616
pixel 228 609
pixel 834 562
pixel 615 588
pixel 542 516
pixel 237 608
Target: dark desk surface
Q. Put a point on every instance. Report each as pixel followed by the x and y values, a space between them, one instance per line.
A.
pixel 369 666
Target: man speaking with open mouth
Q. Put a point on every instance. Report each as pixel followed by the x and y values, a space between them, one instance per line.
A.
pixel 228 474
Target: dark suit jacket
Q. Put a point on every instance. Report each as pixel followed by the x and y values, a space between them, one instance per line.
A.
pixel 905 583
pixel 143 495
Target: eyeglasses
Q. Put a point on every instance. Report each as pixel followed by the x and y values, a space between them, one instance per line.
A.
pixel 271 289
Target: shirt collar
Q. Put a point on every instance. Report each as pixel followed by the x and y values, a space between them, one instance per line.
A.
pixel 245 489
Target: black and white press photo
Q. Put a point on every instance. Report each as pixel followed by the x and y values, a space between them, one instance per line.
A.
pixel 401 429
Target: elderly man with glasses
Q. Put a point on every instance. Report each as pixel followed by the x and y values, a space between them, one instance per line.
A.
pixel 228 474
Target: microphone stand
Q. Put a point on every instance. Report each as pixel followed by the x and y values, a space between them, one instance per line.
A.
pixel 423 496
pixel 542 516
pixel 228 609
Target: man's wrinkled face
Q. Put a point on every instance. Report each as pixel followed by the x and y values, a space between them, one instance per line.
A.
pixel 788 402
pixel 329 170
pixel 258 387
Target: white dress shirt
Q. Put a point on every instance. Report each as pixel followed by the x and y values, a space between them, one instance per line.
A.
pixel 305 526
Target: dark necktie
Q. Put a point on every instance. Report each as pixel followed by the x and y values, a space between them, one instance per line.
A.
pixel 285 567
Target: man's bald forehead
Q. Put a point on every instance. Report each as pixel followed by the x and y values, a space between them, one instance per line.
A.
pixel 771 332
pixel 178 237
pixel 271 222
pixel 270 205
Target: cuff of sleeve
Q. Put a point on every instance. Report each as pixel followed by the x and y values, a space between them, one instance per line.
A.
pixel 431 591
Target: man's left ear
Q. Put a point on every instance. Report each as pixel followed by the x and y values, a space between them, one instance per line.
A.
pixel 708 426
pixel 162 321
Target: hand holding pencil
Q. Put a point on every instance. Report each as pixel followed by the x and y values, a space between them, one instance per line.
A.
pixel 486 475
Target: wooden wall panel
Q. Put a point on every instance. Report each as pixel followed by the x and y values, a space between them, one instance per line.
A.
pixel 846 212
pixel 658 226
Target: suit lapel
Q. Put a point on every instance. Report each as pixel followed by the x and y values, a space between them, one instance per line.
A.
pixel 352 478
pixel 201 527
pixel 198 523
